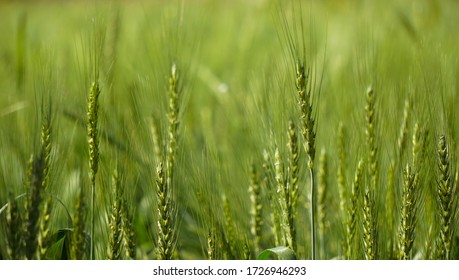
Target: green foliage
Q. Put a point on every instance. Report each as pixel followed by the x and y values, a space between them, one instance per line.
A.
pixel 277 253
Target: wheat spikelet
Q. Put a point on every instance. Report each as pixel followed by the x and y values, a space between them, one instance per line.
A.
pixel 304 99
pixel 33 205
pixel 129 239
pixel 284 199
pixel 78 245
pixel 352 211
pixel 408 214
pixel 14 230
pixel 43 234
pixel 305 106
pixel 174 108
pixel 211 248
pixel 369 226
pixel 446 194
pixel 115 240
pixel 294 168
pixel 268 184
pixel 390 211
pixel 370 116
pixel 93 144
pixel 166 218
pixel 256 221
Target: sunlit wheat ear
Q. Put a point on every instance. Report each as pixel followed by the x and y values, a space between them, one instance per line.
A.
pixel 352 211
pixel 370 115
pixel 369 207
pixel 92 130
pixel 304 99
pixel 446 191
pixel 174 91
pixel 167 209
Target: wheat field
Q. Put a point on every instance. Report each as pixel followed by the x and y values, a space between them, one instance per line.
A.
pixel 229 130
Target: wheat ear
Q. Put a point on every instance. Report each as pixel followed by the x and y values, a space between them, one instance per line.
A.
pixel 93 143
pixel 446 193
pixel 304 98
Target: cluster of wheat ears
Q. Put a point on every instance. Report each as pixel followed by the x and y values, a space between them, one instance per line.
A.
pixel 303 201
